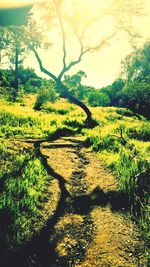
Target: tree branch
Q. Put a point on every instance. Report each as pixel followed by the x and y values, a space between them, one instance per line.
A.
pixel 101 43
pixel 67 68
pixel 82 51
pixel 74 62
pixel 89 23
pixel 41 65
pixel 63 33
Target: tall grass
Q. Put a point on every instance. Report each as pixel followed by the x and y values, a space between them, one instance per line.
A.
pixel 24 186
pixel 22 121
pixel 123 146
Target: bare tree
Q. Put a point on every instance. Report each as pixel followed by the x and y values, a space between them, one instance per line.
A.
pixel 83 21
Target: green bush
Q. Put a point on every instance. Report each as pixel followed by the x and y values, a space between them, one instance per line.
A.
pixel 7 93
pixel 107 142
pixel 141 133
pixel 96 98
pixel 45 95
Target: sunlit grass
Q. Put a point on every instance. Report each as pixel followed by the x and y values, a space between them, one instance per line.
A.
pixel 24 187
pixel 128 159
pixel 19 120
pixel 123 144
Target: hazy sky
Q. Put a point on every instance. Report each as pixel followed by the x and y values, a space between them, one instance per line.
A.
pixel 13 3
pixel 101 67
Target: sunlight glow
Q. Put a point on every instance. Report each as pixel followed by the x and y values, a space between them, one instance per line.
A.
pixel 15 3
pixel 102 66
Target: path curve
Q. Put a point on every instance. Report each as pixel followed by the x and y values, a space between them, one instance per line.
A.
pixel 89 224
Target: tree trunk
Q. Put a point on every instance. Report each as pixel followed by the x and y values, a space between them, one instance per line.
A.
pixel 16 85
pixel 80 104
pixel 64 92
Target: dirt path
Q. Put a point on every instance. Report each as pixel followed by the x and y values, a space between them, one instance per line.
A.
pixel 87 222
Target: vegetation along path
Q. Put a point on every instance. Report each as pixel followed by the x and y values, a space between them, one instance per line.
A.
pixel 86 218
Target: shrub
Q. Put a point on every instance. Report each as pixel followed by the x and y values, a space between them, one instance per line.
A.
pixel 97 98
pixel 7 93
pixel 45 95
pixel 140 133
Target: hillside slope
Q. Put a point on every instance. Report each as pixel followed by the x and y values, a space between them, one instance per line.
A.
pixel 62 207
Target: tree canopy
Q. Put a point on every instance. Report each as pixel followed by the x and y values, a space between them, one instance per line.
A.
pixel 71 24
pixel 133 91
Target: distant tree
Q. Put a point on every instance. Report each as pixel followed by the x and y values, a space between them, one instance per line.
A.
pixel 93 97
pixel 80 19
pixel 136 92
pixel 112 91
pixel 25 74
pixel 97 98
pixel 136 66
pixel 13 49
pixel 136 96
pixel 29 79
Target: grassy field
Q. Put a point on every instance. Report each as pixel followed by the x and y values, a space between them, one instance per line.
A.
pixel 20 120
pixel 121 139
pixel 123 143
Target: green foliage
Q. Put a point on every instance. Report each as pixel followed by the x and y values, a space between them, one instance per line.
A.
pixel 136 96
pixel 26 75
pixel 134 172
pixel 46 94
pixel 6 77
pixel 75 123
pixel 75 80
pixel 112 91
pixel 136 93
pixel 20 120
pixel 96 98
pixel 7 93
pixel 129 161
pixel 29 82
pixel 90 95
pixel 17 125
pixel 136 66
pixel 108 142
pixel 9 119
pixel 133 91
pixel 140 133
pixel 50 109
pixel 75 86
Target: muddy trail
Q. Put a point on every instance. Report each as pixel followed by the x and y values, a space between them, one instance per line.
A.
pixel 86 220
